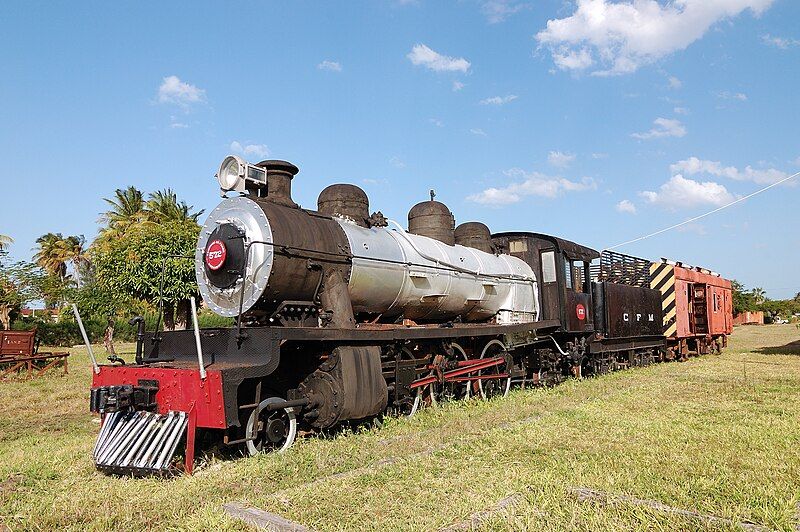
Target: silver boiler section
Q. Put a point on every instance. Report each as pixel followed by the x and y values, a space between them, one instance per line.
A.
pixel 397 273
pixel 309 259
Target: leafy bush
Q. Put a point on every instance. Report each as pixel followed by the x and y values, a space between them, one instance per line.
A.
pixel 66 333
pixel 62 333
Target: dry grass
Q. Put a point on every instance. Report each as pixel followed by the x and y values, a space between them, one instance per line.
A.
pixel 718 435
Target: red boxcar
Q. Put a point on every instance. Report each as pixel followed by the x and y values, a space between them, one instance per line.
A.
pixel 698 307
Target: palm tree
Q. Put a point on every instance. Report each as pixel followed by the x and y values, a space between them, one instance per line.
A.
pixel 127 209
pixel 759 294
pixel 56 251
pixel 163 206
pixel 5 241
pixel 53 254
pixel 74 251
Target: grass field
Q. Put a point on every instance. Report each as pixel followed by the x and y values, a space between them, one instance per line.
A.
pixel 718 435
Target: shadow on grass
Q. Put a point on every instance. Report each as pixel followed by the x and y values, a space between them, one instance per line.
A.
pixel 792 348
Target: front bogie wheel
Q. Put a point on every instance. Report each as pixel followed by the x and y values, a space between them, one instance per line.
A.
pixel 273 429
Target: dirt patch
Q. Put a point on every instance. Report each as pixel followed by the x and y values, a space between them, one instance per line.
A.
pixel 7 487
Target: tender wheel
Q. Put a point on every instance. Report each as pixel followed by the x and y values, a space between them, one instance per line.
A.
pixel 275 430
pixel 500 386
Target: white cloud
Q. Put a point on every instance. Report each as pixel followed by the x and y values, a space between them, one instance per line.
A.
pixel 624 35
pixel 498 10
pixel 567 59
pixel 680 192
pixel 478 131
pixel 457 86
pixel 680 110
pixel 560 159
pixel 780 42
pixel 422 55
pixel 436 122
pixel 532 184
pixel 173 90
pixel 259 150
pixel 331 66
pixel 695 166
pixel 600 156
pixel 499 100
pixel 664 127
pixel 727 95
pixel 675 83
pixel 626 206
pixel 397 162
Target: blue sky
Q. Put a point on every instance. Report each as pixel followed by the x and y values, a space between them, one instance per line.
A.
pixel 596 120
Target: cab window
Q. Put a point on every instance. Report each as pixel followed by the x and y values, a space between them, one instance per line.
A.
pixel 549 266
pixel 517 246
pixel 568 273
pixel 574 271
pixel 577 276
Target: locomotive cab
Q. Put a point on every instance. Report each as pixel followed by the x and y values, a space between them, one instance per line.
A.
pixel 562 268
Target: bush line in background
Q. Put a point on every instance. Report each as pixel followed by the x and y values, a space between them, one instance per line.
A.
pixel 65 332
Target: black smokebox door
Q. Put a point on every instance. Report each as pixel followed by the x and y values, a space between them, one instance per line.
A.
pixel 223 258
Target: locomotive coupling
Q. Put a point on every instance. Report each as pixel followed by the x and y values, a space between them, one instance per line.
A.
pixel 109 399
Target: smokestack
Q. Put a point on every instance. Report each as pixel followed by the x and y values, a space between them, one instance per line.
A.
pixel 279 181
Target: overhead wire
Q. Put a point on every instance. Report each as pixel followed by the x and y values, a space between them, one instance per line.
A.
pixel 709 213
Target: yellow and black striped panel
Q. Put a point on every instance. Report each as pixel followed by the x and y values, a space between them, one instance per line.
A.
pixel 662 278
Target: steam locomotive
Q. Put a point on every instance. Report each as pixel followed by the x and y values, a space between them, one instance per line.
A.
pixel 343 316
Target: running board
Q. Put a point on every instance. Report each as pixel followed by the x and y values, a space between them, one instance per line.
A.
pixel 139 442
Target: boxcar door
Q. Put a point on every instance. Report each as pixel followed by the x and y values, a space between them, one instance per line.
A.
pixel 700 308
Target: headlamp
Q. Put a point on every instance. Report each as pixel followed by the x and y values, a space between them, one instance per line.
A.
pixel 237 174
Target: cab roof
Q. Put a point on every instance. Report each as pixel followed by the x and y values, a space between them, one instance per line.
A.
pixel 572 250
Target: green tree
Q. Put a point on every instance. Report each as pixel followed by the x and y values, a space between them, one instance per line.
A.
pixel 780 308
pixel 51 254
pixel 132 266
pixel 759 295
pixel 55 252
pixel 163 207
pixel 127 209
pixel 19 283
pixel 743 300
pixel 98 303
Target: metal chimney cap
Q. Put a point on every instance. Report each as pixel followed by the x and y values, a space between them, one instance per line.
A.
pixel 278 165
